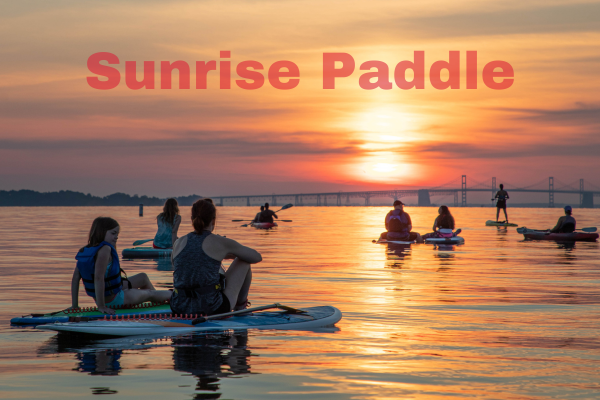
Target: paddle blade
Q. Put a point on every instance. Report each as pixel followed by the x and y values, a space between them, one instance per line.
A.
pixel 138 242
pixel 593 229
pixel 285 220
pixel 287 206
pixel 238 220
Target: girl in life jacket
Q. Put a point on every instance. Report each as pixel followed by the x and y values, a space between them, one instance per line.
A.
pixel 99 268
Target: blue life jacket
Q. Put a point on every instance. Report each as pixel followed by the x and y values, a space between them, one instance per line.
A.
pixel 398 222
pixel 86 264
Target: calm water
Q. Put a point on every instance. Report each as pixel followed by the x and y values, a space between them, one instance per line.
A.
pixel 495 318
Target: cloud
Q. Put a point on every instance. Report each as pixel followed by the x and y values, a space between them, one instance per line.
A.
pixel 581 114
pixel 227 143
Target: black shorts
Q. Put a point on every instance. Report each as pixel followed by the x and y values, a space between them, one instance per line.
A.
pixel 501 204
pixel 225 307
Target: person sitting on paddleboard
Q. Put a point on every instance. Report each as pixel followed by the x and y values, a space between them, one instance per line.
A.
pixel 566 223
pixel 399 225
pixel 99 268
pixel 444 220
pixel 267 215
pixel 257 217
pixel 200 285
pixel 502 196
pixel 168 224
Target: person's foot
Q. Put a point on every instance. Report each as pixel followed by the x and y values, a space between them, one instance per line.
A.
pixel 242 306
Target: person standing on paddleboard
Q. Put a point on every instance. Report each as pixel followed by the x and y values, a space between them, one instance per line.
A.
pixel 566 223
pixel 502 196
pixel 99 268
pixel 399 225
pixel 267 215
pixel 168 224
pixel 200 285
pixel 257 217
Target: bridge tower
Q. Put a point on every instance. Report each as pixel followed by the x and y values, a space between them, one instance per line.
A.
pixel 325 200
pixel 464 191
pixel 318 200
pixel 221 201
pixel 551 192
pixel 339 199
pixel 347 199
pixel 456 198
pixel 424 199
pixel 493 187
pixel 273 200
pixel 367 199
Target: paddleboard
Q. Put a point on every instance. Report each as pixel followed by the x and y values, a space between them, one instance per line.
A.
pixel 146 252
pixel 314 317
pixel 451 240
pixel 494 223
pixel 92 312
pixel 392 242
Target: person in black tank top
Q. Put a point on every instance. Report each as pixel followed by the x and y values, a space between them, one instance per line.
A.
pixel 566 223
pixel 444 220
pixel 201 285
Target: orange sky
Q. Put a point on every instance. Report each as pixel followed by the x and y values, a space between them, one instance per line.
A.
pixel 56 132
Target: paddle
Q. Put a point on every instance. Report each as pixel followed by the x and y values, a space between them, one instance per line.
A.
pixel 138 242
pixel 524 230
pixel 242 220
pixel 247 310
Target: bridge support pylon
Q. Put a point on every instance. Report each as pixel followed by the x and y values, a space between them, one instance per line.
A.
pixel 464 191
pixel 424 199
pixel 551 192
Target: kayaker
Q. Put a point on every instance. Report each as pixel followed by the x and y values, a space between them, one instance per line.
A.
pixel 399 225
pixel 257 218
pixel 444 220
pixel 566 223
pixel 267 215
pixel 502 196
pixel 99 268
pixel 200 285
pixel 168 224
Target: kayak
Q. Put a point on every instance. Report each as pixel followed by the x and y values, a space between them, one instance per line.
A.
pixel 494 223
pixel 263 225
pixel 450 240
pixel 91 312
pixel 312 317
pixel 146 252
pixel 560 237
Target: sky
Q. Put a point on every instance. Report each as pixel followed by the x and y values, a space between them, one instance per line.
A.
pixel 58 133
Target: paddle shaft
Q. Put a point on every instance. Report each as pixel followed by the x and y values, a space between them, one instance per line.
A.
pixel 138 242
pixel 247 310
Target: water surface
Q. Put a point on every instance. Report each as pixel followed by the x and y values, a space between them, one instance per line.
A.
pixel 495 318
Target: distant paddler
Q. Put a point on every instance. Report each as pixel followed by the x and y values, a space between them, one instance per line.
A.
pixel 566 223
pixel 399 225
pixel 267 215
pixel 257 217
pixel 502 196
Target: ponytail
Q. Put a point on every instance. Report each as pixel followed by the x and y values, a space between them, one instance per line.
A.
pixel 203 213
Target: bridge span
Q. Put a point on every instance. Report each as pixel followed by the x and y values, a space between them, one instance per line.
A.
pixel 586 197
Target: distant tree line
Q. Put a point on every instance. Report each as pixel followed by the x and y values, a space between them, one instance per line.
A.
pixel 67 198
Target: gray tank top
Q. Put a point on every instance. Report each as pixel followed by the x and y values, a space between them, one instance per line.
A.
pixel 194 268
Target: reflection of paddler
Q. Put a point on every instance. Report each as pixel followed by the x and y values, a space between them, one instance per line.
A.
pixel 399 225
pixel 211 358
pixel 502 196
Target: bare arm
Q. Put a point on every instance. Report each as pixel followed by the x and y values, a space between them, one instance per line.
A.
pixel 75 288
pixel 435 224
pixel 176 224
pixel 99 272
pixel 242 252
pixel 558 225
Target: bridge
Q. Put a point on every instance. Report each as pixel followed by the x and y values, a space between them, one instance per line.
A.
pixel 586 195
